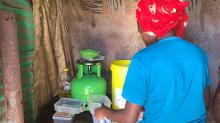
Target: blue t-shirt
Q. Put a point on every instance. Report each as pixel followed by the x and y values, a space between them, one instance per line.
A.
pixel 168 79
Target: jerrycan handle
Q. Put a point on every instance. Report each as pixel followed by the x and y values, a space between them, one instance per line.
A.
pixel 80 71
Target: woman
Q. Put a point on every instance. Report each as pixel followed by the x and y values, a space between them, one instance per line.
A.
pixel 169 78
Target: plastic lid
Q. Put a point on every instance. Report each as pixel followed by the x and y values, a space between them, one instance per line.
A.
pixel 96 101
pixel 69 105
pixel 66 69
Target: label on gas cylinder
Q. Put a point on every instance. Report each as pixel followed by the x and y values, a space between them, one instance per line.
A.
pixel 119 100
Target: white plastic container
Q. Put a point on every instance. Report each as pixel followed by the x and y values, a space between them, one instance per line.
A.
pixel 100 99
pixel 62 117
pixel 96 101
pixel 69 105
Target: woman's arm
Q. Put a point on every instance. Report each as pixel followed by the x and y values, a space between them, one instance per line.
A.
pixel 207 96
pixel 128 115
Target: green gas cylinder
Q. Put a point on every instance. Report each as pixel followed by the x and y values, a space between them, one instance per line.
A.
pixel 88 80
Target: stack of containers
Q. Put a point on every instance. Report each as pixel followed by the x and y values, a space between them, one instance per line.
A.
pixel 26 38
pixel 66 108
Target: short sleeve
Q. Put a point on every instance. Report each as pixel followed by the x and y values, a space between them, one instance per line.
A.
pixel 135 86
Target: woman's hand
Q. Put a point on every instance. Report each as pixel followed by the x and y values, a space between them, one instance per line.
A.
pixel 128 115
pixel 100 113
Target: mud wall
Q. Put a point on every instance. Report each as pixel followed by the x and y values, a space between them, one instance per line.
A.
pixel 110 26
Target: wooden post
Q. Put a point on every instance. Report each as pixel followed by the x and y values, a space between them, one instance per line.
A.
pixel 11 68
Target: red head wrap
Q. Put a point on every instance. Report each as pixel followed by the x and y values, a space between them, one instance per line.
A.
pixel 158 17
